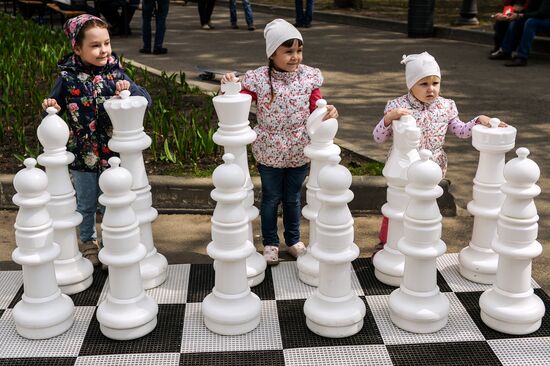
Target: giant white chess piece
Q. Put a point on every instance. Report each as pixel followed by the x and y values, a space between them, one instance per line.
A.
pixel 333 309
pixel 127 312
pixel 231 308
pixel 418 306
pixel 478 262
pixel 234 133
pixel 72 271
pixel 319 151
pixel 389 262
pixel 129 140
pixel 43 311
pixel 510 306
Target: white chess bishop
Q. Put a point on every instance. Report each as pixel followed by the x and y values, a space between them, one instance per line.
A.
pixel 334 310
pixel 418 306
pixel 127 312
pixel 231 308
pixel 43 311
pixel 234 133
pixel 129 140
pixel 478 261
pixel 319 151
pixel 511 306
pixel 72 271
pixel 389 262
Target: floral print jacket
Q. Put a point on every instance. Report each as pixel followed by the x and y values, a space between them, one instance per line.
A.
pixel 433 119
pixel 281 129
pixel 81 90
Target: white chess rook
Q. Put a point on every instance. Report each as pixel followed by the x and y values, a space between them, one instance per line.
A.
pixel 418 306
pixel 334 310
pixel 319 151
pixel 478 262
pixel 234 133
pixel 127 312
pixel 231 308
pixel 43 311
pixel 389 263
pixel 511 306
pixel 129 140
pixel 72 271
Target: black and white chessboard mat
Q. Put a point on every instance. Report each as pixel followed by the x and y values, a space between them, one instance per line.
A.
pixel 282 337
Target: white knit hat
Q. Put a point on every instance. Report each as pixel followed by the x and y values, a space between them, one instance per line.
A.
pixel 278 32
pixel 418 66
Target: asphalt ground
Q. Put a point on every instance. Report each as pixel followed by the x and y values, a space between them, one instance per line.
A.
pixel 362 72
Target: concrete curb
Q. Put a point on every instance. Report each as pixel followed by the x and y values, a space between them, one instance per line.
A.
pixel 181 195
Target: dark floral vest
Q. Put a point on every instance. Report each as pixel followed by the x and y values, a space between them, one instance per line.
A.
pixel 86 88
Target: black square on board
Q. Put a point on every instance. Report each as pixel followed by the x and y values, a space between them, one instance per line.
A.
pixel 364 269
pixel 449 353
pixel 166 337
pixel 38 361
pixel 470 300
pixel 90 296
pixel 265 290
pixel 296 334
pixel 201 282
pixel 242 358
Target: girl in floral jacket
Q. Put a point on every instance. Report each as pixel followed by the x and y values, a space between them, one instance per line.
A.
pixel 285 92
pixel 434 114
pixel 90 75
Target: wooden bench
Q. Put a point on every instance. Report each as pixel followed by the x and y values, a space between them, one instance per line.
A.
pixel 64 13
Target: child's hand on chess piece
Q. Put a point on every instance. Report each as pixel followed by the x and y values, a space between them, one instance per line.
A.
pixel 395 114
pixel 122 85
pixel 229 78
pixel 332 112
pixel 50 102
pixel 485 121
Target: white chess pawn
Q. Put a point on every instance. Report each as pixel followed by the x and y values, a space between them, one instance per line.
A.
pixel 418 306
pixel 129 140
pixel 319 151
pixel 72 271
pixel 231 308
pixel 511 306
pixel 127 312
pixel 43 311
pixel 334 310
pixel 389 262
pixel 478 262
pixel 234 133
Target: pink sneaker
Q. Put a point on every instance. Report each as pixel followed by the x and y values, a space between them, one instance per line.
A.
pixel 271 254
pixel 297 249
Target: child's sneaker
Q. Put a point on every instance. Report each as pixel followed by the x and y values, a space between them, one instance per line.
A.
pixel 271 254
pixel 89 250
pixel 297 249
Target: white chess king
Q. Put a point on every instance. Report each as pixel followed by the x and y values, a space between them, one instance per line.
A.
pixel 234 133
pixel 129 140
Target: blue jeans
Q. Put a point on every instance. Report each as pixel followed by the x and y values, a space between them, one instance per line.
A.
pixel 147 15
pixel 304 18
pixel 530 27
pixel 247 12
pixel 87 192
pixel 281 185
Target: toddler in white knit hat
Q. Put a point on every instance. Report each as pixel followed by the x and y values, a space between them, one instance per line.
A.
pixel 285 92
pixel 434 114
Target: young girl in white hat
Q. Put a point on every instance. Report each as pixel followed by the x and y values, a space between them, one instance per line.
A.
pixel 285 92
pixel 434 114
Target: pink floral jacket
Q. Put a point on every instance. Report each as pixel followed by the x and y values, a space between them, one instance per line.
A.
pixel 433 119
pixel 281 128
